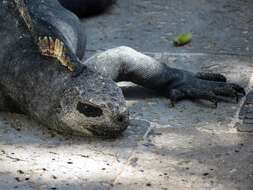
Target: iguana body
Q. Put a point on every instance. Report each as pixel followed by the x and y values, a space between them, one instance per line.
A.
pixel 42 45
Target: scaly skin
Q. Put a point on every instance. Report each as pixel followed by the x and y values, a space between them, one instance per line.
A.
pixel 40 87
pixel 37 35
pixel 126 64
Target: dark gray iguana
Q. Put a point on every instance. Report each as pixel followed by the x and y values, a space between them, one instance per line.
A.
pixel 42 73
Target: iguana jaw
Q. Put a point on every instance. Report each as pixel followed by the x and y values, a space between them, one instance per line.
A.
pixel 107 125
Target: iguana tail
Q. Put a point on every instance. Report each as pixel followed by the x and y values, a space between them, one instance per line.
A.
pixel 83 8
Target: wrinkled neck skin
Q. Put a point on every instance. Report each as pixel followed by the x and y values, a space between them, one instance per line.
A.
pixel 43 89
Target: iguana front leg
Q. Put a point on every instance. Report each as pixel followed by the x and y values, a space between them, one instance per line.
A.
pixel 126 64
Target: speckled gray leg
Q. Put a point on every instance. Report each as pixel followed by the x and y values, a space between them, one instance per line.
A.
pixel 127 64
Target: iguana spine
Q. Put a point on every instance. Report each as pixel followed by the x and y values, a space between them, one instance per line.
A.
pixel 48 46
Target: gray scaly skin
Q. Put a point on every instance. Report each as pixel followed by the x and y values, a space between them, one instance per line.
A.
pixel 126 64
pixel 41 47
pixel 42 88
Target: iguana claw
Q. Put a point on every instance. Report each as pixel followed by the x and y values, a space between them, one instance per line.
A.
pixel 211 76
pixel 206 86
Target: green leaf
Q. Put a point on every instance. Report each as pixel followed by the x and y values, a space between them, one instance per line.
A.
pixel 182 39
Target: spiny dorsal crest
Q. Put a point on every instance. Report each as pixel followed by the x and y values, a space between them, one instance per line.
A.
pixel 47 45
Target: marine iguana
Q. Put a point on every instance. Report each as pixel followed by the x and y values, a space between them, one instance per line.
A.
pixel 42 45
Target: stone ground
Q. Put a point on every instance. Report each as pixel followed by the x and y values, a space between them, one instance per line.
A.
pixel 189 147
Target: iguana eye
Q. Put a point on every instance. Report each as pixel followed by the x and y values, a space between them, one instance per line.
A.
pixel 89 110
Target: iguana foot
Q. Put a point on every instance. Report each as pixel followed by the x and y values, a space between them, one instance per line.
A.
pixel 206 86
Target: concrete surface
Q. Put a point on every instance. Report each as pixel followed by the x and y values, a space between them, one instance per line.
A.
pixel 190 147
pixel 218 26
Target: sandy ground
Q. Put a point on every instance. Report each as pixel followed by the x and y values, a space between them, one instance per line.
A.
pixel 191 146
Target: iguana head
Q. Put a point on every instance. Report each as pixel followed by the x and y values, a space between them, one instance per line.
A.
pixel 91 105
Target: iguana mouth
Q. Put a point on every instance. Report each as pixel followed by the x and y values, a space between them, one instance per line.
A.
pixel 111 129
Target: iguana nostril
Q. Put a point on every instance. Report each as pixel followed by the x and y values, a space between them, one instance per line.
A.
pixel 89 110
pixel 123 117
